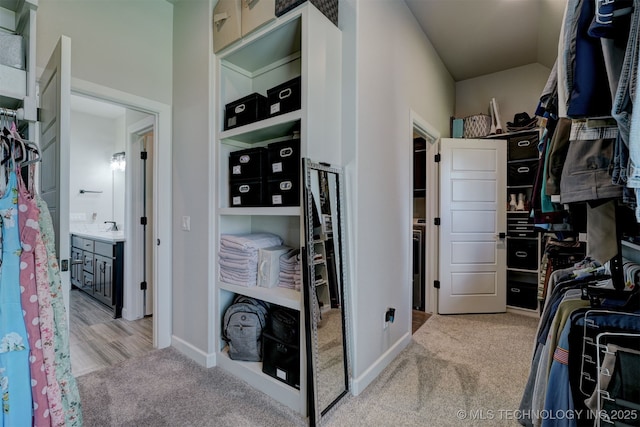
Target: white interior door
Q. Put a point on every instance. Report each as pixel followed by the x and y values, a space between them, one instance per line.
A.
pixel 473 214
pixel 55 93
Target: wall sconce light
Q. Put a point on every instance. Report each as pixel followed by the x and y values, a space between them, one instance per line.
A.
pixel 118 161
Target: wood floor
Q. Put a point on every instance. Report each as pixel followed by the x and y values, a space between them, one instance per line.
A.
pixel 419 317
pixel 97 340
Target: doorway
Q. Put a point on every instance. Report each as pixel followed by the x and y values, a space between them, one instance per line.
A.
pixel 424 236
pixel 105 193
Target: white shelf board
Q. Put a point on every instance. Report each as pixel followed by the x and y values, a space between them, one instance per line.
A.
pixel 522 270
pixel 284 297
pixel 261 49
pixel 264 130
pixel 261 211
pixel 251 372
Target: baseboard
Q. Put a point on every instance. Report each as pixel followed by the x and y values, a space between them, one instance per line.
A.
pixel 359 384
pixel 523 311
pixel 207 360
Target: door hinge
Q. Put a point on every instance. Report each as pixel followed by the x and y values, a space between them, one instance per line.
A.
pixel 143 220
pixel 436 284
pixel 436 158
pixel 143 155
pixel 436 221
pixel 143 286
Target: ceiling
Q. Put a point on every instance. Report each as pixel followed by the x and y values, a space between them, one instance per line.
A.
pixel 478 37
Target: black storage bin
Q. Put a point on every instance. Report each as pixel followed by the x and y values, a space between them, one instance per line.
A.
pixel 521 147
pixel 522 253
pixel 283 158
pixel 284 191
pixel 249 164
pixel 328 7
pixel 245 110
pixel 281 360
pixel 522 173
pixel 284 98
pixel 247 193
pixel 521 294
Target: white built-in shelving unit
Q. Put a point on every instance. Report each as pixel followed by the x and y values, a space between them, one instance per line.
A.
pixel 304 43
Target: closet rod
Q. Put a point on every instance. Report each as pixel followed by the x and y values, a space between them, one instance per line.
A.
pixel 16 114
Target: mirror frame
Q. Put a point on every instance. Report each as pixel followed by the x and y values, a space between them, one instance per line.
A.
pixel 315 412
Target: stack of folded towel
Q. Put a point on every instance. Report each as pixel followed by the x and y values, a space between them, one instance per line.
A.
pixel 238 256
pixel 290 276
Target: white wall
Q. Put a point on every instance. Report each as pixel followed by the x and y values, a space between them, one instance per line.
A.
pixel 517 90
pixel 124 45
pixel 93 140
pixel 193 304
pixel 396 71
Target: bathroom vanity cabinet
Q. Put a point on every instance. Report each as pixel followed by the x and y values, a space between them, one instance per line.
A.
pixel 97 268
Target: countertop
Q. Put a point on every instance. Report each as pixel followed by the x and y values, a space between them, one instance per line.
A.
pixel 105 236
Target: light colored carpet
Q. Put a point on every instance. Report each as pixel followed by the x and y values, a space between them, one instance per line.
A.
pixel 462 370
pixel 472 363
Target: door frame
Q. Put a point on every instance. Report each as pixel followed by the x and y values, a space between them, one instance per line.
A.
pixel 162 251
pixel 134 294
pixel 432 209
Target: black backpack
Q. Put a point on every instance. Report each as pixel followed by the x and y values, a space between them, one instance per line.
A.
pixel 284 325
pixel 242 328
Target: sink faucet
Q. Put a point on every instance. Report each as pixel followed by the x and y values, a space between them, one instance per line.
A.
pixel 114 227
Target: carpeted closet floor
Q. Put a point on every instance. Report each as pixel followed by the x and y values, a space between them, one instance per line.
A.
pixel 455 366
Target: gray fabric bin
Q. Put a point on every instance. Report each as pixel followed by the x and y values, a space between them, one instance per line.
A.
pixel 12 51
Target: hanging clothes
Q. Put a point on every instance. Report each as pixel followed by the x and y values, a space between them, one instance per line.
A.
pixel 47 268
pixel 37 387
pixel 27 222
pixel 15 376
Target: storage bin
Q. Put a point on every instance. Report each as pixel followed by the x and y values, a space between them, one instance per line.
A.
pixel 243 111
pixel 256 13
pixel 329 8
pixel 248 164
pixel 521 294
pixel 285 97
pixel 12 51
pixel 522 173
pixel 519 226
pixel 247 193
pixel 283 158
pixel 281 360
pixel 226 23
pixel 522 253
pixel 522 147
pixel 284 191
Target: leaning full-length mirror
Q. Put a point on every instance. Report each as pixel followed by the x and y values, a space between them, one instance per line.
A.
pixel 325 288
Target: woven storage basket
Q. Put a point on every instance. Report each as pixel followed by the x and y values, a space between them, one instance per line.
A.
pixel 477 125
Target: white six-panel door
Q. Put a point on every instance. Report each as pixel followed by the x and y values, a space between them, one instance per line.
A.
pixel 55 93
pixel 473 214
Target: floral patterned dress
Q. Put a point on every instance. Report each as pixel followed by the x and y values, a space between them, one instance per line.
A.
pixel 15 378
pixel 47 267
